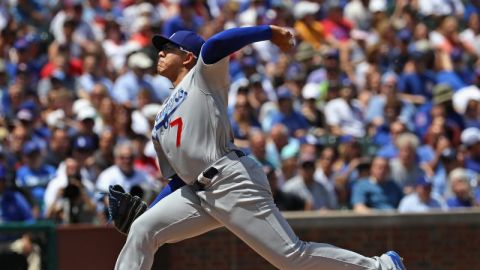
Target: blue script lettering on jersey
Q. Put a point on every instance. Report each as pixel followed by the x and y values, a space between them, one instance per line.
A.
pixel 173 102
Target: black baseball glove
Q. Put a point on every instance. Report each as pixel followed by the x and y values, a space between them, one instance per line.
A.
pixel 124 208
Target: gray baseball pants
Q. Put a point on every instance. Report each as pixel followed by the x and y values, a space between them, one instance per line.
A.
pixel 238 198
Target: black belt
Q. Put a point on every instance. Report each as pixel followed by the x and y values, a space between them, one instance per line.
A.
pixel 212 171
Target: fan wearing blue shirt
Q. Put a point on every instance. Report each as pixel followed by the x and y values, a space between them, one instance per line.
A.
pixel 34 175
pixel 416 86
pixel 463 196
pixel 377 192
pixel 13 205
pixel 296 123
pixel 471 140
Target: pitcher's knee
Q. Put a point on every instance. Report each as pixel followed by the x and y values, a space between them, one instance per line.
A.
pixel 141 234
pixel 292 257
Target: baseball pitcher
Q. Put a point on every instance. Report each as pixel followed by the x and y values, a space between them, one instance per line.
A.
pixel 193 141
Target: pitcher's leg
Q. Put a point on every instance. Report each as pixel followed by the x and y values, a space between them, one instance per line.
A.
pixel 264 229
pixel 247 209
pixel 177 217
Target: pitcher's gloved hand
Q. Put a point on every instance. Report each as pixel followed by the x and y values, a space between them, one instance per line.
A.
pixel 124 208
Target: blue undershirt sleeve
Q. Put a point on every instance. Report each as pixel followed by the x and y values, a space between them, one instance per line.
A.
pixel 227 42
pixel 174 184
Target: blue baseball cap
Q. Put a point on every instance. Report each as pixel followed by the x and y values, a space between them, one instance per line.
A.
pixel 283 93
pixel 31 147
pixel 423 181
pixel 186 40
pixel 404 35
pixel 21 44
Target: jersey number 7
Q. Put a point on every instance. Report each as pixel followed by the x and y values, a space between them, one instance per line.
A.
pixel 178 122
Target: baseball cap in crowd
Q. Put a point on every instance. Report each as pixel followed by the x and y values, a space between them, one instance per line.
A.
pixel 389 76
pixel 304 8
pixel 442 93
pixel 86 113
pixel 296 72
pixel 290 150
pixel 331 53
pixel 255 79
pixel 334 4
pixel 307 160
pixel 56 118
pixel 80 104
pixel 423 181
pixel 21 44
pixel 283 93
pixel 58 76
pixel 377 6
pixel 470 136
pixel 311 91
pixel 84 144
pixel 404 34
pixel 448 154
pixel 463 96
pixel 185 40
pixel 310 140
pixel 25 115
pixel 151 110
pixel 139 60
pixel 31 147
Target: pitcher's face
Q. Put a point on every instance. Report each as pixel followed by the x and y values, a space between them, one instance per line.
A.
pixel 170 61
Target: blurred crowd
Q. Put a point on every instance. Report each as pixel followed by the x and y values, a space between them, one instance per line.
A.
pixel 376 108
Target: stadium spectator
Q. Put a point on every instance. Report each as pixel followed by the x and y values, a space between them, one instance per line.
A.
pixel 14 206
pixel 324 173
pixel 344 115
pixel 103 156
pixel 125 174
pixel 289 162
pixel 405 168
pixel 59 147
pixel 311 112
pixel 471 140
pixel 68 197
pixel 187 19
pixel 345 167
pixel 422 199
pixel 461 188
pixel 285 201
pixel 257 148
pixel 278 138
pixel 93 73
pixel 243 121
pixel 378 191
pixel 314 193
pixel 34 176
pixel 295 122
pixel 127 86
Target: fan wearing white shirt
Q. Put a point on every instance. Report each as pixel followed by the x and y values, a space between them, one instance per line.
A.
pixel 123 173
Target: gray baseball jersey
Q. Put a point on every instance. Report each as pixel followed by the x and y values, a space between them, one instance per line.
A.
pixel 192 130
